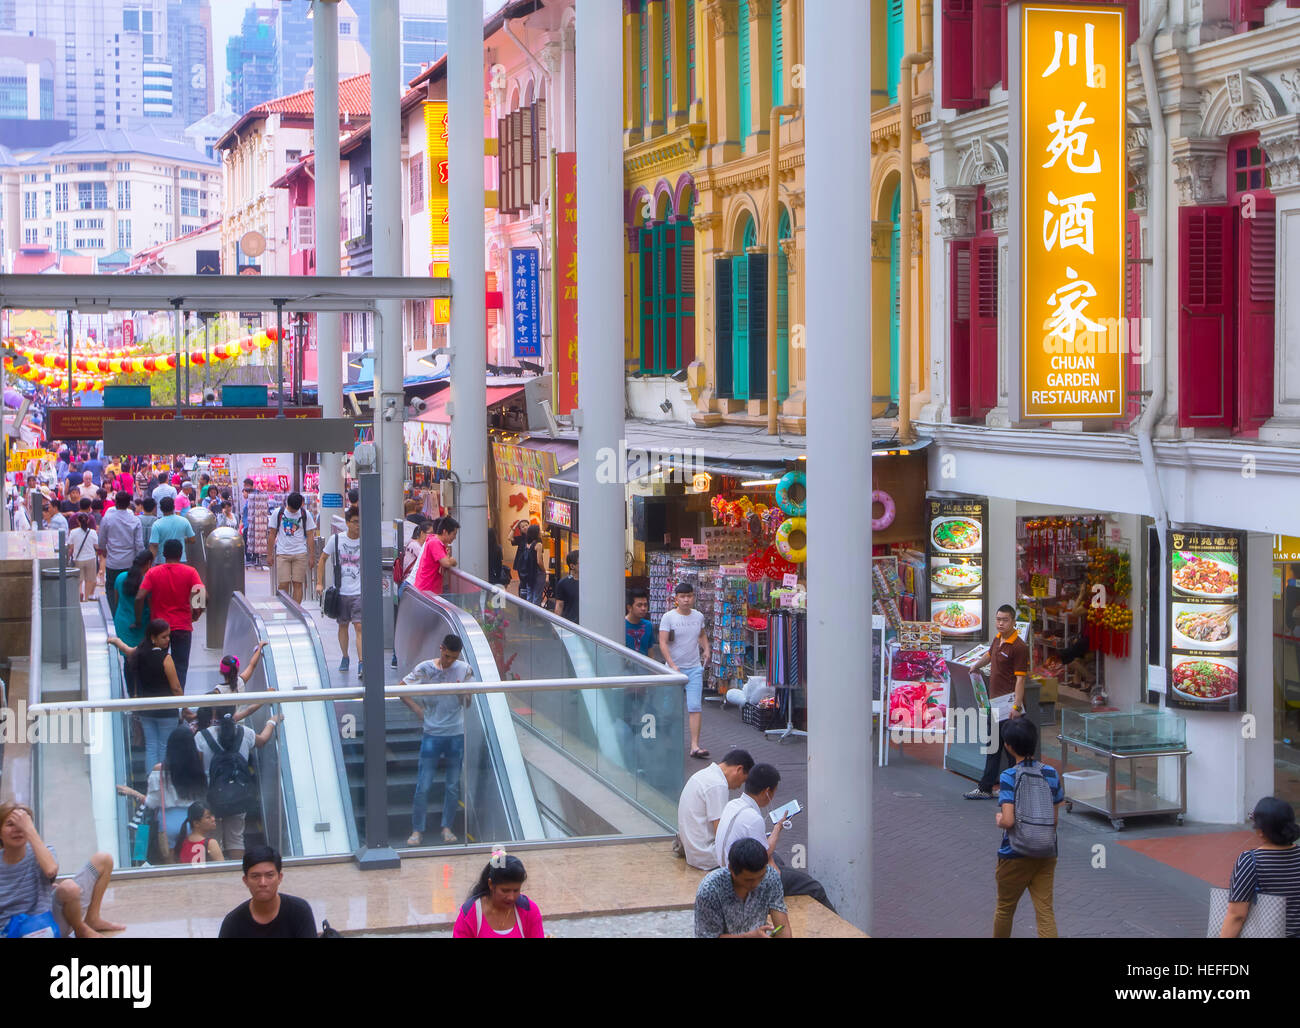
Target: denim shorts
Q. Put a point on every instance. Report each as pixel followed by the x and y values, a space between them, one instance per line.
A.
pixel 694 688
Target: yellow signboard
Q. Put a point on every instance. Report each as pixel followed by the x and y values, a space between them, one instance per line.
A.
pixel 435 127
pixel 1073 203
pixel 1286 548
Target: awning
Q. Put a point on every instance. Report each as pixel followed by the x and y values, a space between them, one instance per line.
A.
pixel 368 385
pixel 437 409
pixel 565 450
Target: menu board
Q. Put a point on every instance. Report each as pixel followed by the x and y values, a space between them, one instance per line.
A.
pixel 1207 620
pixel 957 552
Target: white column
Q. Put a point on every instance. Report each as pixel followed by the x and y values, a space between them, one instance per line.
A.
pixel 468 329
pixel 838 277
pixel 325 127
pixel 1258 672
pixel 600 310
pixel 386 236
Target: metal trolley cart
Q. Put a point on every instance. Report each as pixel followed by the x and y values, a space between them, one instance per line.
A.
pixel 1129 737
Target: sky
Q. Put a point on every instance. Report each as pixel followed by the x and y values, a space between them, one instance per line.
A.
pixel 228 15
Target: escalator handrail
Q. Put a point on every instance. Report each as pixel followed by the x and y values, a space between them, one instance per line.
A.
pixel 119 725
pixel 322 668
pixel 288 800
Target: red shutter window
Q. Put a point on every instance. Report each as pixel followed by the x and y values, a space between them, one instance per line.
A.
pixel 990 33
pixel 1248 14
pixel 957 68
pixel 1206 358
pixel 959 319
pixel 686 253
pixel 1256 303
pixel 984 326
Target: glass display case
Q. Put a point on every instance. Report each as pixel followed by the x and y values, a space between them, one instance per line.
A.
pixel 1125 731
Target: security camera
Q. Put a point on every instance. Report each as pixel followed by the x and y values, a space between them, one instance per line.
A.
pixel 209 397
pixel 416 407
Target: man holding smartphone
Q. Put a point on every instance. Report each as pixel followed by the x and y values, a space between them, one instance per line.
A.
pixel 742 900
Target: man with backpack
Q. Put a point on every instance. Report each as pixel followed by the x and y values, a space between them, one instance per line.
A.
pixel 289 532
pixel 1029 796
pixel 225 748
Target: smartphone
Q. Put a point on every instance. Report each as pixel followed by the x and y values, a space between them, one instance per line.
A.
pixel 786 812
pixel 775 931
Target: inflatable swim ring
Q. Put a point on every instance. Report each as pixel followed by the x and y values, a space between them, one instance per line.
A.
pixel 792 540
pixel 795 482
pixel 887 518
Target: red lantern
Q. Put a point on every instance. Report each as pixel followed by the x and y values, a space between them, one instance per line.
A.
pixel 197 359
pixel 60 361
pixel 150 364
pixel 170 361
pixel 81 364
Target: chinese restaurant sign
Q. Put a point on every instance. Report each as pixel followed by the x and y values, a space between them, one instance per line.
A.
pixel 435 127
pixel 1073 204
pixel 957 547
pixel 525 303
pixel 1207 620
pixel 566 288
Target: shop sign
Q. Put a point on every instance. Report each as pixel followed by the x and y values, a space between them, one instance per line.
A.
pixel 521 465
pixel 1072 216
pixel 435 129
pixel 957 552
pixel 525 303
pixel 687 543
pixel 566 284
pixel 88 423
pixel 560 513
pixel 700 552
pixel 217 463
pixel 428 443
pixel 1207 620
pixel 1286 548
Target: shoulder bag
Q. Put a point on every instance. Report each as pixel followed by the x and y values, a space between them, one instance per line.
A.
pixel 1266 919
pixel 329 603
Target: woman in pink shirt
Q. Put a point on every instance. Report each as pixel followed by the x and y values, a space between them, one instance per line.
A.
pixel 437 555
pixel 496 908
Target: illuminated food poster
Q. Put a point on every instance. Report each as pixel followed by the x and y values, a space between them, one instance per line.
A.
pixel 1206 620
pixel 957 550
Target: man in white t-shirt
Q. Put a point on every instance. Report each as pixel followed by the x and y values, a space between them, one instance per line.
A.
pixel 701 805
pixel 685 647
pixel 348 549
pixel 163 488
pixel 289 534
pixel 744 816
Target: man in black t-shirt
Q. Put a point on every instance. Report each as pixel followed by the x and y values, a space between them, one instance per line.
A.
pixel 268 915
pixel 566 590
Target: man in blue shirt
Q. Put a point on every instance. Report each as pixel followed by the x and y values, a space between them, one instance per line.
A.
pixel 638 630
pixel 1016 871
pixel 170 526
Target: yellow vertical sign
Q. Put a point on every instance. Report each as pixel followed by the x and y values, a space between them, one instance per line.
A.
pixel 435 127
pixel 1073 200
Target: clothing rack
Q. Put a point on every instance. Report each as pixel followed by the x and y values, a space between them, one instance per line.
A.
pixel 787 663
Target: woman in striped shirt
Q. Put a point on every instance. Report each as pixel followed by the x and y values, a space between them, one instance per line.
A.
pixel 1272 868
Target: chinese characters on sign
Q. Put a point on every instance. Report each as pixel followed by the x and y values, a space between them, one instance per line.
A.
pixel 1207 620
pixel 435 127
pixel 1073 196
pixel 566 289
pixel 525 303
pixel 520 465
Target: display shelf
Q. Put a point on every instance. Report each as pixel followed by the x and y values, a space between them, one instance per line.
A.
pixel 1119 805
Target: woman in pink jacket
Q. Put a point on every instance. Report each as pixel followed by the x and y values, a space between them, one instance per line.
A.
pixel 497 908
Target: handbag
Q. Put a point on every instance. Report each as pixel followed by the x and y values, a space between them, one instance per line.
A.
pixel 329 603
pixel 1266 919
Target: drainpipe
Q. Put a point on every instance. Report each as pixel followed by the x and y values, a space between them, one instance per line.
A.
pixel 773 248
pixel 905 221
pixel 1157 158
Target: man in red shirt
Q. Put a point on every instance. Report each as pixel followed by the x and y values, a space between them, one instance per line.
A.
pixel 437 555
pixel 167 587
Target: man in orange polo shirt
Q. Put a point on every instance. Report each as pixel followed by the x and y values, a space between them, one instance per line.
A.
pixel 1008 658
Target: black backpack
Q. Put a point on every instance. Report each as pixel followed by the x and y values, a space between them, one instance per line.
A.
pixel 230 779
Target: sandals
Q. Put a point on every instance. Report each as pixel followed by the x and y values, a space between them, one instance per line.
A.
pixel 700 754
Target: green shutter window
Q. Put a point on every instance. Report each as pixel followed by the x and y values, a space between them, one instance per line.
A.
pixel 778 48
pixel 750 236
pixel 742 20
pixel 690 53
pixel 893 46
pixel 723 311
pixel 740 327
pixel 645 65
pixel 668 59
pixel 893 297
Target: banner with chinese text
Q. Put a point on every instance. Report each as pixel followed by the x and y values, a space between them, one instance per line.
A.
pixel 525 303
pixel 566 292
pixel 1073 200
pixel 435 127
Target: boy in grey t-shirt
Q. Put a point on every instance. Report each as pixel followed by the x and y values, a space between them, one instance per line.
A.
pixel 444 736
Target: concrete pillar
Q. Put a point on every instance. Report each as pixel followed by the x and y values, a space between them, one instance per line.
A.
pixel 837 149
pixel 386 229
pixel 600 314
pixel 468 329
pixel 325 127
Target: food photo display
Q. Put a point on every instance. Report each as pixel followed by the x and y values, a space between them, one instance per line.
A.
pixel 1206 620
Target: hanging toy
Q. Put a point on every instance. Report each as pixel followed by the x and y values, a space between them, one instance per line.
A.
pixel 888 510
pixel 792 540
pixel 792 494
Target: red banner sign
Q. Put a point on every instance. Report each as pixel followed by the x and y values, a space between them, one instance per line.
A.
pixel 67 423
pixel 566 289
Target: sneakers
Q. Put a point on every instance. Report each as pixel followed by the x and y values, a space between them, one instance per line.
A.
pixel 343 664
pixel 414 839
pixel 449 836
pixel 360 668
pixel 977 794
pixel 394 662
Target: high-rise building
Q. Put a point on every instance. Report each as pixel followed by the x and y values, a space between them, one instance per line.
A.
pixel 189 49
pixel 251 61
pixel 27 92
pixel 423 33
pixel 293 44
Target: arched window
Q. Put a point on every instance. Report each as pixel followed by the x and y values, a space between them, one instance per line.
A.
pixel 742 91
pixel 668 291
pixel 740 318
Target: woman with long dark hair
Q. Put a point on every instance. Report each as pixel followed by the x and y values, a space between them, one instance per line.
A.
pixel 229 735
pixel 83 551
pixel 532 578
pixel 127 585
pixel 496 907
pixel 151 673
pixel 436 556
pixel 194 844
pixel 1272 868
pixel 175 783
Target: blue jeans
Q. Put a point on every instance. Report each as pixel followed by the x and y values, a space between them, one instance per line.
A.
pixel 156 731
pixel 433 748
